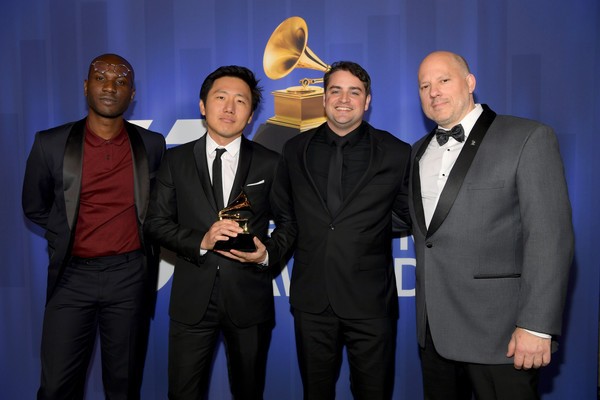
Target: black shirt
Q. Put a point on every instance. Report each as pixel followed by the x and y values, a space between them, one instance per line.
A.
pixel 356 157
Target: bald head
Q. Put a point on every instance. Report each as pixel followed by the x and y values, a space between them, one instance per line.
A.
pixel 446 88
pixel 449 58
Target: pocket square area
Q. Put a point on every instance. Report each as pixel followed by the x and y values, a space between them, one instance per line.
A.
pixel 256 183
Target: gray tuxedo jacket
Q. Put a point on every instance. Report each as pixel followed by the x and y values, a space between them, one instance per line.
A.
pixel 498 249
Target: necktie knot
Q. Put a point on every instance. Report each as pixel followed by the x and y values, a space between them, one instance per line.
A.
pixel 457 132
pixel 341 142
pixel 220 151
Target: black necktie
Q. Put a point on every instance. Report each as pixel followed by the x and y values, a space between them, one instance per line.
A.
pixel 217 178
pixel 456 132
pixel 334 179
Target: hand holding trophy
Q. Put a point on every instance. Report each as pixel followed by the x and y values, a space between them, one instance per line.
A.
pixel 243 241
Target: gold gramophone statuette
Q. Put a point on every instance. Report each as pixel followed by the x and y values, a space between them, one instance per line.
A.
pixel 299 107
pixel 243 241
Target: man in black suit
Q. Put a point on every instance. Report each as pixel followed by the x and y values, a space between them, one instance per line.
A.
pixel 211 292
pixel 87 183
pixel 341 182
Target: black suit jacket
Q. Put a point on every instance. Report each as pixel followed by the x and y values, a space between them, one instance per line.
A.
pixel 345 260
pixel 183 209
pixel 52 184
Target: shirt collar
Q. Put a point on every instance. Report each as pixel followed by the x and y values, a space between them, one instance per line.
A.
pixel 96 141
pixel 468 122
pixel 352 137
pixel 233 147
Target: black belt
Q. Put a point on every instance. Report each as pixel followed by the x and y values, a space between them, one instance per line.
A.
pixel 108 260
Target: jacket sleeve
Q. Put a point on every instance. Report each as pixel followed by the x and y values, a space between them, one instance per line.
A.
pixel 38 185
pixel 162 220
pixel 283 237
pixel 547 233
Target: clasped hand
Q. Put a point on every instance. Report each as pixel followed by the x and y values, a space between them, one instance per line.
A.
pixel 223 230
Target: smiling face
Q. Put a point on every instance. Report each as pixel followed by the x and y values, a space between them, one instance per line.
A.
pixel 345 101
pixel 108 92
pixel 446 88
pixel 227 109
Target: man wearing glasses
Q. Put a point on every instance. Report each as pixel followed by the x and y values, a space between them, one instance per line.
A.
pixel 87 185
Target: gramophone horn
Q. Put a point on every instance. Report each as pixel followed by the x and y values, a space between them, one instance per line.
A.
pixel 287 49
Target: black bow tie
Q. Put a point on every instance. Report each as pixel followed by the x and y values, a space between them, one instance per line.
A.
pixel 443 135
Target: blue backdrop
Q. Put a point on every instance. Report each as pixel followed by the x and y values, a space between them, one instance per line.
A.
pixel 532 58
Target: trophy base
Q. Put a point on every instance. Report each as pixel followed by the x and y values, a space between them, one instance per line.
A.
pixel 242 242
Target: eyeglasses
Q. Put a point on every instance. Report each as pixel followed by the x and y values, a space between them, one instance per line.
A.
pixel 103 66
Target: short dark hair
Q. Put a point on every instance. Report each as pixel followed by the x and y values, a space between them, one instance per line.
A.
pixel 235 71
pixel 352 67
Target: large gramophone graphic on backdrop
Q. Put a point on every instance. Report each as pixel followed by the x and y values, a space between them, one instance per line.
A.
pixel 297 108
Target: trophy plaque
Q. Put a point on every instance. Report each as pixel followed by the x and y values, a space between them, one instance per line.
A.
pixel 243 241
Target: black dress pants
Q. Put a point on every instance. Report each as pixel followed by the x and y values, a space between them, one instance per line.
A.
pixel 445 379
pixel 192 348
pixel 108 295
pixel 370 346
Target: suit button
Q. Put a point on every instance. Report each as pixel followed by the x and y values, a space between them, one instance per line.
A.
pixel 429 245
pixel 332 227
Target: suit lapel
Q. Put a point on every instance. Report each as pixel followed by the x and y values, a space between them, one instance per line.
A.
pixel 202 168
pixel 416 184
pixel 141 175
pixel 460 169
pixel 304 162
pixel 245 158
pixel 72 167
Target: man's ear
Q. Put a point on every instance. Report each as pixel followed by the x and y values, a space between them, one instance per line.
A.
pixel 202 109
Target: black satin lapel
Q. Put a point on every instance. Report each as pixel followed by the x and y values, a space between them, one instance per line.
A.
pixel 202 167
pixel 141 175
pixel 460 169
pixel 245 158
pixel 304 162
pixel 72 166
pixel 416 185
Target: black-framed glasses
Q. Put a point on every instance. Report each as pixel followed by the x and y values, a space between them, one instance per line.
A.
pixel 103 66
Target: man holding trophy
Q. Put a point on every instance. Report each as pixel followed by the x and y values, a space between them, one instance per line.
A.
pixel 211 198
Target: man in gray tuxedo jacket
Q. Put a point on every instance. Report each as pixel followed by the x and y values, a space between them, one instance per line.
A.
pixel 494 242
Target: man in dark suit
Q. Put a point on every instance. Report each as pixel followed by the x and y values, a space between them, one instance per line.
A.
pixel 493 238
pixel 341 182
pixel 211 292
pixel 87 183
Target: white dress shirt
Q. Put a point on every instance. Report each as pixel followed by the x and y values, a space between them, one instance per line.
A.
pixel 437 162
pixel 229 162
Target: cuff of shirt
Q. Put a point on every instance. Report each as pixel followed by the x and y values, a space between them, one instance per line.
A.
pixel 539 334
pixel 265 262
